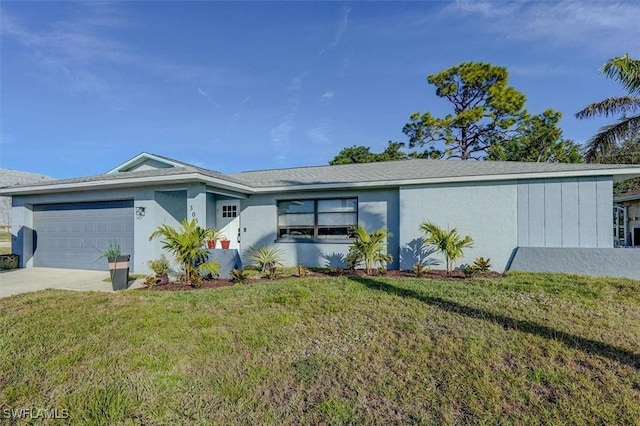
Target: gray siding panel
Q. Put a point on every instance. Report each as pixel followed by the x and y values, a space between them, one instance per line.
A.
pixel 570 230
pixel 523 215
pixel 553 213
pixel 587 204
pixel 604 197
pixel 536 214
pixel 574 212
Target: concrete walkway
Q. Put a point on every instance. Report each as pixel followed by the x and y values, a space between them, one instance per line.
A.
pixel 18 281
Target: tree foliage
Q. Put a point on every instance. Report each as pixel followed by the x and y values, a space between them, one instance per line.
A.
pixel 485 110
pixel 627 153
pixel 369 248
pixel 537 139
pixel 446 241
pixel 187 245
pixel 602 146
pixel 363 154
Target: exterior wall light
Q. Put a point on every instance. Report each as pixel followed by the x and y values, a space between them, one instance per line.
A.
pixel 139 212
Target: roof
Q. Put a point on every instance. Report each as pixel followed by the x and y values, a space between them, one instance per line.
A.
pixel 369 175
pixel 14 177
pixel 628 196
pixel 416 170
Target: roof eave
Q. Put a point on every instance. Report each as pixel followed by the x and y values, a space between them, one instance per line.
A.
pixel 128 182
pixel 617 174
pixel 627 173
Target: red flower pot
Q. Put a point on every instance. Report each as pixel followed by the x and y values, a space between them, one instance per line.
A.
pixel 225 244
pixel 211 244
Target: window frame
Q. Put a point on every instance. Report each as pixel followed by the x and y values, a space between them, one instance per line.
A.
pixel 314 238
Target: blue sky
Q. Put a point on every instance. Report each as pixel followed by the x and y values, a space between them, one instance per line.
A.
pixel 255 85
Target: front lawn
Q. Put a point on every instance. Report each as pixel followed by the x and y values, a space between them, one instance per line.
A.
pixel 529 348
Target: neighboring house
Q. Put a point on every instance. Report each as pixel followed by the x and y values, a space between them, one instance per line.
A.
pixel 507 208
pixel 626 219
pixel 12 178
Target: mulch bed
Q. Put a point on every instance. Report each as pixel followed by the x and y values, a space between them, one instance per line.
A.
pixel 221 282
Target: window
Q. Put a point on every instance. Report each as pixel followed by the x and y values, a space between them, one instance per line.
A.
pixel 325 219
pixel 619 226
pixel 230 211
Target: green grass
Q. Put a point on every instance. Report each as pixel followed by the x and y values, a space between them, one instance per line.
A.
pixel 527 349
pixel 5 236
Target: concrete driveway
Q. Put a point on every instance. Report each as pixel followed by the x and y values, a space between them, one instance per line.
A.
pixel 18 281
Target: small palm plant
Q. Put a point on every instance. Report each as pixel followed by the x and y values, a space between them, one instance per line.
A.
pixel 446 241
pixel 187 245
pixel 265 258
pixel 369 248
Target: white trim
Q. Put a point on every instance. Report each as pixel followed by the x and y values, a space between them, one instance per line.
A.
pixel 137 158
pixel 235 195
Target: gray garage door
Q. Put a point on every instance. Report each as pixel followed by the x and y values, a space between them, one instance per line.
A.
pixel 73 235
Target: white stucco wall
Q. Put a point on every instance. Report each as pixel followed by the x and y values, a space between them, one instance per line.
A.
pixel 485 211
pixel 259 219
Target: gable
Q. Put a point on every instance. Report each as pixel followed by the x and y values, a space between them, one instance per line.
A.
pixel 148 164
pixel 145 161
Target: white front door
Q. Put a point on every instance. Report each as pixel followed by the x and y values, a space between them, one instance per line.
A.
pixel 228 221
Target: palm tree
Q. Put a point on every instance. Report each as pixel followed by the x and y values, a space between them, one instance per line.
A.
pixel 369 248
pixel 446 241
pixel 626 71
pixel 187 245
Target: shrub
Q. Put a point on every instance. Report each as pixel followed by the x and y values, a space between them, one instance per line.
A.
pixel 448 242
pixel 265 258
pixel 369 248
pixel 150 281
pixel 187 245
pixel 420 269
pixel 159 266
pixel 482 265
pixel 302 271
pixel 239 275
pixel 469 270
pixel 112 251
pixel 272 272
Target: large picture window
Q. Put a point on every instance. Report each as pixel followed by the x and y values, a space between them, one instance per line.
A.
pixel 321 219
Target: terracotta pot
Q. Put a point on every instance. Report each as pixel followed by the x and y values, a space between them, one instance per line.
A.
pixel 211 244
pixel 225 244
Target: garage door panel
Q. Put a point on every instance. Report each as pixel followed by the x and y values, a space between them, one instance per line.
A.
pixel 73 235
pixel 102 227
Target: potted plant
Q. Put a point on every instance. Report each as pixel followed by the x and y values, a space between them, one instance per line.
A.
pixel 224 242
pixel 160 267
pixel 118 266
pixel 213 235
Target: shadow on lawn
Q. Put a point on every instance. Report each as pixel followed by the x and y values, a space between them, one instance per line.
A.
pixel 587 345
